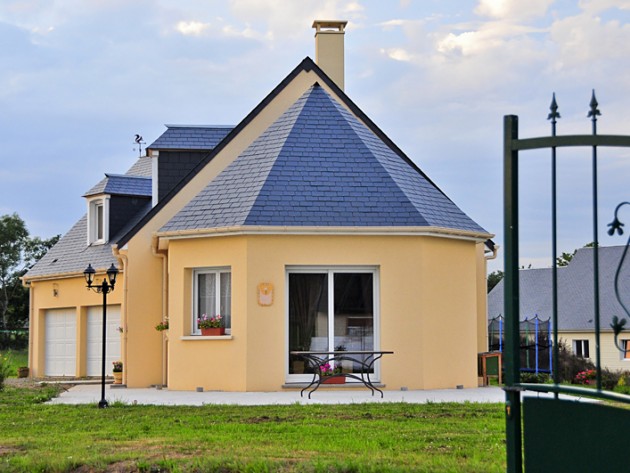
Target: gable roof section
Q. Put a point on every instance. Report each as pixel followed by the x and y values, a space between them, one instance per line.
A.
pixel 190 137
pixel 318 165
pixel 575 291
pixel 307 65
pixel 117 184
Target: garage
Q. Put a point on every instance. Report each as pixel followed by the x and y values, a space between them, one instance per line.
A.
pixel 95 337
pixel 61 342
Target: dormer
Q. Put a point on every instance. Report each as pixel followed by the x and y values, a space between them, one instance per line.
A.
pixel 178 151
pixel 112 205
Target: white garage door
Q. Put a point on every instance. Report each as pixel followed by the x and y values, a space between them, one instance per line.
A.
pixel 61 342
pixel 95 337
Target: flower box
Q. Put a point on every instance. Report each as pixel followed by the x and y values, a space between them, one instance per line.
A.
pixel 213 331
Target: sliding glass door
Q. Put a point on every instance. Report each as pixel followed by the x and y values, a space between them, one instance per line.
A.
pixel 330 310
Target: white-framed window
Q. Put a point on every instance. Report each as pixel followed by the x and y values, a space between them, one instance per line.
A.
pixel 212 295
pixel 98 221
pixel 625 355
pixel 581 348
pixel 331 309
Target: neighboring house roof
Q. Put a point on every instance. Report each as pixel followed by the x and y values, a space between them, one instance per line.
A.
pixel 190 137
pixel 318 165
pixel 117 184
pixel 575 291
pixel 72 254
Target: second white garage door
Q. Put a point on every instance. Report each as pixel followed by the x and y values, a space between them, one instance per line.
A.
pixel 95 337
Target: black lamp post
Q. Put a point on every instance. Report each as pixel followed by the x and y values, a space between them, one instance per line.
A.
pixel 104 288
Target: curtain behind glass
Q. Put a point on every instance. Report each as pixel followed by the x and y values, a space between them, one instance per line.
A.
pixel 226 297
pixel 206 295
pixel 308 315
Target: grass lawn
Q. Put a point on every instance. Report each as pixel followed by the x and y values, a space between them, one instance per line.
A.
pixel 346 438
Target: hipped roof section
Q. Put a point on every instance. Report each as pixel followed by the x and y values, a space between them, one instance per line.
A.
pixel 317 165
pixel 307 65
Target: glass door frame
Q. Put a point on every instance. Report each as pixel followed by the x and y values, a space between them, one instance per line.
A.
pixel 331 271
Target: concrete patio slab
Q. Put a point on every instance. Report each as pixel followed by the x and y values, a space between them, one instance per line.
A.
pixel 91 394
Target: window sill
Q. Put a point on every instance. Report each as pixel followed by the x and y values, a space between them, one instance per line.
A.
pixel 189 338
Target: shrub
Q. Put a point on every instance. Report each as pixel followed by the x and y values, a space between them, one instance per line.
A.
pixel 570 365
pixel 537 378
pixel 5 369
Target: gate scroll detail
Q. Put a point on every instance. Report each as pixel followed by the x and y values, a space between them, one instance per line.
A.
pixel 557 433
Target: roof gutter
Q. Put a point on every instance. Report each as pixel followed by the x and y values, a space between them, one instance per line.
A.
pixel 443 232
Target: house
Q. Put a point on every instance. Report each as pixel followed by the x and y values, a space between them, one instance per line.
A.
pixel 304 226
pixel 575 303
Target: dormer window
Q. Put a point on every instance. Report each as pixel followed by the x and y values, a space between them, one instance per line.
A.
pixel 98 213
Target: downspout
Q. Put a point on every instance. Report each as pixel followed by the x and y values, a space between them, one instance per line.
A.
pixel 123 261
pixel 495 252
pixel 161 254
pixel 31 298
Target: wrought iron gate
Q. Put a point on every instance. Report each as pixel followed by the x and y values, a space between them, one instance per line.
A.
pixel 559 435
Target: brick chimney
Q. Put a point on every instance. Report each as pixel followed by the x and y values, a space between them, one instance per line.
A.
pixel 329 54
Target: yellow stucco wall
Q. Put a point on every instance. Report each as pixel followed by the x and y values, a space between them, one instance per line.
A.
pixel 427 305
pixel 64 293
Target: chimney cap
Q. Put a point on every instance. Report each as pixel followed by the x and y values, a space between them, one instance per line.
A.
pixel 337 25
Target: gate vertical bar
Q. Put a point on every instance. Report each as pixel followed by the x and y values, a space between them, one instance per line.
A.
pixel 512 345
pixel 593 113
pixel 553 116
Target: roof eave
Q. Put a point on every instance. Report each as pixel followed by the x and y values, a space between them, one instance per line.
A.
pixel 321 230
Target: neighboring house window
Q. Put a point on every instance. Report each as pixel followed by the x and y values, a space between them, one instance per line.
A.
pixel 626 346
pixel 98 221
pixel 580 348
pixel 212 296
pixel 330 309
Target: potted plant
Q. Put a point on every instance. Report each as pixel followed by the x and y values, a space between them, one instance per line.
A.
pixel 329 374
pixel 211 326
pixel 163 325
pixel 117 371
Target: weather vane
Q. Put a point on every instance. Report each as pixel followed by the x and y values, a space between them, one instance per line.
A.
pixel 139 141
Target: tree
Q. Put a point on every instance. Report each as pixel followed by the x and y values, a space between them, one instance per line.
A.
pixel 18 252
pixel 565 258
pixel 493 279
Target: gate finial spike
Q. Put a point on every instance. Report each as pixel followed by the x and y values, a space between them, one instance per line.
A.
pixel 594 111
pixel 554 109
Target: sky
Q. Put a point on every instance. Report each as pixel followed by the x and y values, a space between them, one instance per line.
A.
pixel 78 79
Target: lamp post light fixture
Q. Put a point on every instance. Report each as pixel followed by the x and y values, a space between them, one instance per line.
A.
pixel 104 288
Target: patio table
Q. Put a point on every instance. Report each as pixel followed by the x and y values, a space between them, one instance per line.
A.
pixel 364 359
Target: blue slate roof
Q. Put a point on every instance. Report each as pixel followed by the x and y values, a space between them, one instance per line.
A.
pixel 72 254
pixel 190 137
pixel 318 165
pixel 117 184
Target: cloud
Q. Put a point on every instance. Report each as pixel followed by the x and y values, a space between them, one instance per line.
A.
pixel 191 28
pixel 513 9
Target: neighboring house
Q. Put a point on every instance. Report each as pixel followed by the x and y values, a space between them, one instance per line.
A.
pixel 304 226
pixel 575 303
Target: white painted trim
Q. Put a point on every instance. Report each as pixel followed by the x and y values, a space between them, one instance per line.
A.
pixel 330 270
pixel 154 177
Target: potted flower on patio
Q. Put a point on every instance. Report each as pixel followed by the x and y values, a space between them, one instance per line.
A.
pixel 329 374
pixel 211 325
pixel 117 371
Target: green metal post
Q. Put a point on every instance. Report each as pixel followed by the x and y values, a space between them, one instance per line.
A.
pixel 512 343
